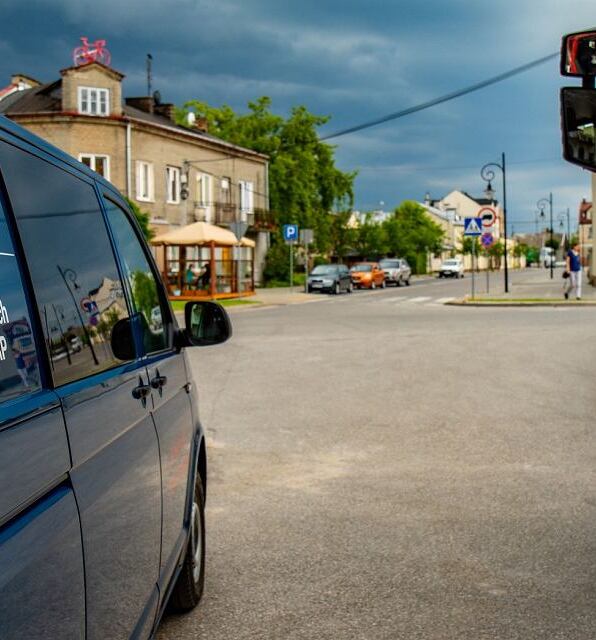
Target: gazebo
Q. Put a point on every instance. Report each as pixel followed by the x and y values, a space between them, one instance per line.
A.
pixel 202 260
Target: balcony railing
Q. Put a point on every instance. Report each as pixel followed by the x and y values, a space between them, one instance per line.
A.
pixel 223 213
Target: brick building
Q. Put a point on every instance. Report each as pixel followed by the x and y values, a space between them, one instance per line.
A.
pixel 177 174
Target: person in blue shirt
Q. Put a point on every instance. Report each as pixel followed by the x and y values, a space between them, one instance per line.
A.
pixel 574 268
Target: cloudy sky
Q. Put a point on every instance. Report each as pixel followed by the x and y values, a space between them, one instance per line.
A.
pixel 352 60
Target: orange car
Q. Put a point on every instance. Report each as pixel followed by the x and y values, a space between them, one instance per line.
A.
pixel 368 275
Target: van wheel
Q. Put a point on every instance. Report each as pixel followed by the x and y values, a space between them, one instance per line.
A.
pixel 408 282
pixel 190 584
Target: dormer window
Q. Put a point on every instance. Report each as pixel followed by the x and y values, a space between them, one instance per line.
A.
pixel 94 101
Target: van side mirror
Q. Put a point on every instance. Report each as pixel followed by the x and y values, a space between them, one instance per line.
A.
pixel 578 125
pixel 207 323
pixel 122 340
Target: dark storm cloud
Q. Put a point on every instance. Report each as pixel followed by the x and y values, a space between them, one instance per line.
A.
pixel 352 60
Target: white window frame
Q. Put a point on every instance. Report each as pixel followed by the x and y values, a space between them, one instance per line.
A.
pixel 173 172
pixel 84 97
pixel 150 186
pixel 93 157
pixel 246 197
pixel 226 191
pixel 204 189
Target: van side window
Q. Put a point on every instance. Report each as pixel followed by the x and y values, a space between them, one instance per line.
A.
pixel 19 372
pixel 140 280
pixel 77 287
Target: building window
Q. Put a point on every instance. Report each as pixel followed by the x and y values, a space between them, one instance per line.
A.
pixel 145 181
pixel 204 189
pixel 94 101
pixel 226 194
pixel 246 190
pixel 99 164
pixel 173 185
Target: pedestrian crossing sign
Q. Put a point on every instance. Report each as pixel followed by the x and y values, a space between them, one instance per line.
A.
pixel 472 226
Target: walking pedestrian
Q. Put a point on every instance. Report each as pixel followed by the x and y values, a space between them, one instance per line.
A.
pixel 574 269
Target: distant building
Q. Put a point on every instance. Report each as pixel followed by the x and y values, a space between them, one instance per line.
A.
pixel 585 235
pixel 460 205
pixel 453 231
pixel 177 174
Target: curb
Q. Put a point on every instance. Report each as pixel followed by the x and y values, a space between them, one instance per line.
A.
pixel 513 303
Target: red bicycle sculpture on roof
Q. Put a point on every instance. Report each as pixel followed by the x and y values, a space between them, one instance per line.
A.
pixel 91 52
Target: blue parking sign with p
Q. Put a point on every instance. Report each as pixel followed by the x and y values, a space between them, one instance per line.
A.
pixel 290 232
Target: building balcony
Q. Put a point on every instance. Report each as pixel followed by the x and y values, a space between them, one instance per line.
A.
pixel 224 214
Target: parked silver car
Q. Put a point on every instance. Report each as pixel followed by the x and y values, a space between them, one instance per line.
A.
pixel 397 271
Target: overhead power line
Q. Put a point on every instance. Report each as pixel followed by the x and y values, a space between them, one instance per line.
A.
pixel 441 99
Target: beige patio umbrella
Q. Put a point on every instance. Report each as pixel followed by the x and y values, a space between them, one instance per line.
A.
pixel 198 234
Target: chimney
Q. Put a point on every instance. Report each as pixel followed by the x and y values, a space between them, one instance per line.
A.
pixel 144 103
pixel 168 110
pixel 202 124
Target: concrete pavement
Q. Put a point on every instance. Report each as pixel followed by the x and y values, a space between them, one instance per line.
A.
pixel 383 466
pixel 530 284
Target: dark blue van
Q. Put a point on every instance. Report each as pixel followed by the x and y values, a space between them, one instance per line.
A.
pixel 103 469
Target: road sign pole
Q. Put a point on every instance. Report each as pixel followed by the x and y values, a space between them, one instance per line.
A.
pixel 306 268
pixel 487 277
pixel 291 267
pixel 473 258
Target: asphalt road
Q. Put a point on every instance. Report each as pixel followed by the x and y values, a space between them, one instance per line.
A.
pixel 384 466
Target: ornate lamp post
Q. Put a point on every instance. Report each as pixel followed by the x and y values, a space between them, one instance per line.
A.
pixel 70 275
pixel 561 217
pixel 488 175
pixel 541 204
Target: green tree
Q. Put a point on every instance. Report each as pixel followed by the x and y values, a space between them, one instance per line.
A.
pixel 142 218
pixel 553 242
pixel 144 293
pixel 470 244
pixel 495 252
pixel 304 183
pixel 370 239
pixel 277 263
pixel 341 236
pixel 411 234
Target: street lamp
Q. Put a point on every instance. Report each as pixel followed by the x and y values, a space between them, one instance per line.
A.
pixel 561 217
pixel 488 175
pixel 70 275
pixel 541 204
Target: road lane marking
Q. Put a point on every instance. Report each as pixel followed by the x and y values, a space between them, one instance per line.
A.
pixel 420 299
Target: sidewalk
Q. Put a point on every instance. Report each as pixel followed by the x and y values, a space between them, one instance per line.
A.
pixel 530 286
pixel 284 296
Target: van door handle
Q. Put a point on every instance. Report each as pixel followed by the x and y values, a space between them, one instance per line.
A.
pixel 141 392
pixel 159 381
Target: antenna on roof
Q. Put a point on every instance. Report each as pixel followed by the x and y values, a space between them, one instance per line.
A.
pixel 149 61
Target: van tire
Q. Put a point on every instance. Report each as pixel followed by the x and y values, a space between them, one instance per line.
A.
pixel 188 590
